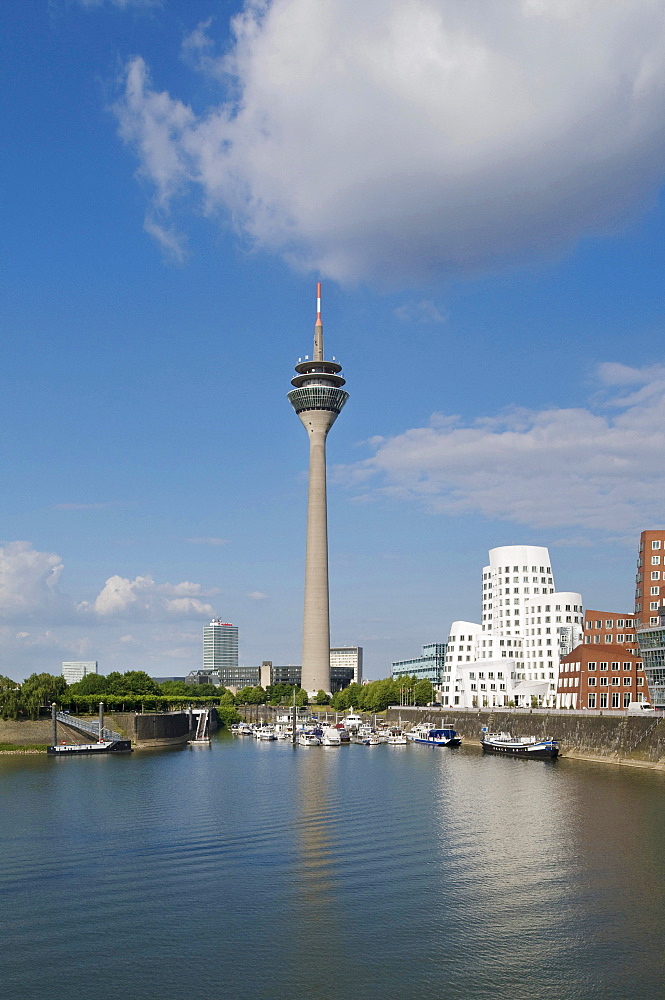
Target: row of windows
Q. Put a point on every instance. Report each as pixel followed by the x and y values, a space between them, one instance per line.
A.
pixel 516 569
pixel 610 623
pixel 616 700
pixel 603 682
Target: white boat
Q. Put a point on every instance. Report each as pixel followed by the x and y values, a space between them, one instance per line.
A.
pixel 396 738
pixel 308 740
pixel 242 729
pixel 266 733
pixel 519 746
pixel 331 738
pixel 352 722
pixel 372 740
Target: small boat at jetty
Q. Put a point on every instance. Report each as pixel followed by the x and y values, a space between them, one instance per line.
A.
pixel 242 729
pixel 396 738
pixel 434 737
pixel 331 737
pixel 519 746
pixel 101 746
pixel 371 740
pixel 309 740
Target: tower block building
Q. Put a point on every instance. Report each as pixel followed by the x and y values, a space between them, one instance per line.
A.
pixel 317 398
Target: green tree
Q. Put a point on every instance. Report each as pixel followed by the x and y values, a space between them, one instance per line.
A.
pixel 10 698
pixel 251 695
pixel 90 684
pixel 301 698
pixel 322 698
pixel 39 690
pixel 135 682
pixel 423 692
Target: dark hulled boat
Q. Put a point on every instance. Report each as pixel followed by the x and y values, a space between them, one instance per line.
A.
pixel 519 746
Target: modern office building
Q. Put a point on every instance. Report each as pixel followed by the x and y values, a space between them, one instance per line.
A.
pixel 343 658
pixel 650 577
pixel 608 676
pixel 76 670
pixel 527 626
pixel 220 646
pixel 427 667
pixel 652 648
pixel 317 398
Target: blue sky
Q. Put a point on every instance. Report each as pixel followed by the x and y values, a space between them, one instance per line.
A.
pixel 480 190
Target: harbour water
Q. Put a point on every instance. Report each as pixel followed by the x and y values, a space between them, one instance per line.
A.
pixel 260 871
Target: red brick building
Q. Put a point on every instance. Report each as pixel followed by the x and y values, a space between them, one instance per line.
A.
pixel 650 578
pixel 602 628
pixel 601 676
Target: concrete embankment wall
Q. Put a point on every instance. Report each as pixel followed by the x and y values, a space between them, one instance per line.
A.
pixel 620 740
pixel 147 730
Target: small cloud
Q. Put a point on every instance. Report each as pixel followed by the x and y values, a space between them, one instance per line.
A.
pixel 424 311
pixel 173 244
pixel 208 540
pixel 257 595
pixel 572 543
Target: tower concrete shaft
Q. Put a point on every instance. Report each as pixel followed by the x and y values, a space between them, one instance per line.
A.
pixel 317 398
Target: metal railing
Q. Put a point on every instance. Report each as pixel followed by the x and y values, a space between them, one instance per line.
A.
pixel 87 727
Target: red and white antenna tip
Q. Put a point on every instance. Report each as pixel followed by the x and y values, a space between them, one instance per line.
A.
pixel 318 301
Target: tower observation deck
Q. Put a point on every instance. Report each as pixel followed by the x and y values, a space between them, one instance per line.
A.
pixel 317 398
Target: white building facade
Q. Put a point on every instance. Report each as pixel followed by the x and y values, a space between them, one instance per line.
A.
pixel 75 670
pixel 513 656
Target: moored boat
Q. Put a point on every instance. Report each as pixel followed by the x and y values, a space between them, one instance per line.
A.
pixel 101 746
pixel 434 737
pixel 519 746
pixel 308 740
pixel 396 738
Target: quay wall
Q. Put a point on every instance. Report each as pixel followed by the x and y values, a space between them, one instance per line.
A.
pixel 144 730
pixel 151 729
pixel 635 740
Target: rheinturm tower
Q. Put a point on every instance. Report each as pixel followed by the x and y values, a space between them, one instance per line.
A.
pixel 317 398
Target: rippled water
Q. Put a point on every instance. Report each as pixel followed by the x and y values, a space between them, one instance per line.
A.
pixel 258 871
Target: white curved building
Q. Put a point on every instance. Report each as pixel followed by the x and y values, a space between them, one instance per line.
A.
pixel 527 626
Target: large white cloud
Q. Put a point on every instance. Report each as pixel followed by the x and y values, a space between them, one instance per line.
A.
pixel 599 468
pixel 29 582
pixel 396 139
pixel 143 599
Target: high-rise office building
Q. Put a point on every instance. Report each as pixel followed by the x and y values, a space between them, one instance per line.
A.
pixel 76 670
pixel 317 398
pixel 343 659
pixel 220 646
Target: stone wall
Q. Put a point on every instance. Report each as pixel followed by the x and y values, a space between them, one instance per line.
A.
pixel 622 739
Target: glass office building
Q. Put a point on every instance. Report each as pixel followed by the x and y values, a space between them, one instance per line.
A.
pixel 652 648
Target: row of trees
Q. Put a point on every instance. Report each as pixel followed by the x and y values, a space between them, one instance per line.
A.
pixel 124 692
pixel 137 690
pixel 378 695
